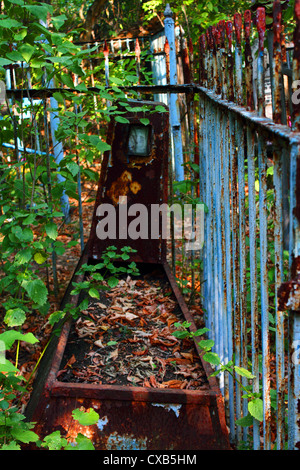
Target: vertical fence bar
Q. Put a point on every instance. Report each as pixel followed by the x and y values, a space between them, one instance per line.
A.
pixel 137 51
pixel 253 275
pixel 230 62
pixel 242 256
pixel 228 261
pixel 248 61
pixel 106 62
pixel 278 246
pixel 277 62
pixel 261 28
pixel 238 59
pixel 224 299
pixel 293 303
pixel 174 105
pixel 263 231
pixel 222 33
pixel 235 260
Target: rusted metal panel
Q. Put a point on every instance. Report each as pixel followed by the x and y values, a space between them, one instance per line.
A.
pixel 141 180
pixel 130 418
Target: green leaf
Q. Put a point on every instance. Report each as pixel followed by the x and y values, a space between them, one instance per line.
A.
pixel 256 409
pixel 55 317
pixel 10 336
pixel 39 11
pixel 15 317
pixel 9 23
pixel 122 120
pixel 145 121
pixel 5 62
pixel 102 146
pixel 112 282
pixel 246 421
pixel 212 358
pixel 58 21
pixel 26 51
pixel 23 435
pixel 160 109
pixel 116 80
pixel 244 372
pixel 206 344
pixel 7 366
pixel 67 80
pixel 85 418
pixel 94 293
pixel 54 441
pixel 11 446
pixel 36 290
pixel 51 230
pixel 23 257
pixel 82 443
pixel 59 97
pixel 40 258
pixel 73 168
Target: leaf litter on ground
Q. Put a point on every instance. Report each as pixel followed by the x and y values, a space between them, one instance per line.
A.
pixel 125 338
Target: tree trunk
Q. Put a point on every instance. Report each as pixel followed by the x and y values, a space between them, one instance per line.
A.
pixel 92 16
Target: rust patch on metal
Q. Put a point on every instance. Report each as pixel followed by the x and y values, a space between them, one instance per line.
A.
pixel 122 186
pixel 248 61
pixel 261 26
pixel 202 67
pixel 238 24
pixel 289 292
pixel 230 61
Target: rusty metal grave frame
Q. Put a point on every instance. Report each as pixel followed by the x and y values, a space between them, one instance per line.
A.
pixel 130 417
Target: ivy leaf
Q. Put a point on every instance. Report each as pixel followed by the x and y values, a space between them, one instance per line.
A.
pixel 36 290
pixel 256 409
